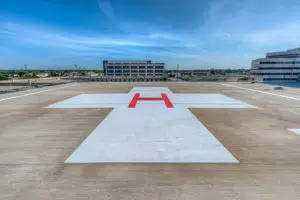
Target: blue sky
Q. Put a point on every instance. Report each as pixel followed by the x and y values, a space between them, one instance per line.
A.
pixel 191 33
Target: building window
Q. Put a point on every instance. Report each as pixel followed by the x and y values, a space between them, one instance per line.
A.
pixel 281 68
pixel 285 56
pixel 274 62
pixel 275 73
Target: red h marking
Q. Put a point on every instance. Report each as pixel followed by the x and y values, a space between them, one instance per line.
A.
pixel 163 97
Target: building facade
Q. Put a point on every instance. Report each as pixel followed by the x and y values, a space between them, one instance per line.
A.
pixel 133 68
pixel 277 66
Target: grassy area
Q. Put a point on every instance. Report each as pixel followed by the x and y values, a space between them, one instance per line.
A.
pixel 29 76
pixel 214 71
pixel 244 79
pixel 205 78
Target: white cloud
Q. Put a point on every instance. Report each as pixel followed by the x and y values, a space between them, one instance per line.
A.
pixel 106 7
pixel 181 40
pixel 44 37
pixel 284 34
pixel 216 9
pixel 162 36
pixel 249 27
pixel 287 34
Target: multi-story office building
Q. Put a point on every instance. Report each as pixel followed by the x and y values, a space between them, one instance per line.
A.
pixel 133 68
pixel 277 66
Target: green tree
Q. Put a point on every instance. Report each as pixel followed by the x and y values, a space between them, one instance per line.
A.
pixel 21 74
pixel 3 77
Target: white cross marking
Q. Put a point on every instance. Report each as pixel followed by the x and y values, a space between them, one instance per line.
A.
pixel 151 132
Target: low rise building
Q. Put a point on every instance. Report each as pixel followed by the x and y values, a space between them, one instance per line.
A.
pixel 43 75
pixel 92 74
pixel 133 68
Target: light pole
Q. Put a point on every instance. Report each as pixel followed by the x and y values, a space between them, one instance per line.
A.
pixel 177 76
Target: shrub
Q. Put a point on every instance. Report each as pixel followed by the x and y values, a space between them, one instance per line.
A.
pixel 3 77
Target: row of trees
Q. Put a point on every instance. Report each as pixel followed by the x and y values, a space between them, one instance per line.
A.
pixel 215 71
pixel 25 74
pixel 3 77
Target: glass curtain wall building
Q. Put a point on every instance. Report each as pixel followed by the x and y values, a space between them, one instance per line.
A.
pixel 277 66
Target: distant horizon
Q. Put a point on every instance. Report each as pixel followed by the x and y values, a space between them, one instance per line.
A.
pixel 85 68
pixel 194 34
pixel 97 68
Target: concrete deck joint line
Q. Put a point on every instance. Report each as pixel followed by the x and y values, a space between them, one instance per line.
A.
pixel 33 93
pixel 268 93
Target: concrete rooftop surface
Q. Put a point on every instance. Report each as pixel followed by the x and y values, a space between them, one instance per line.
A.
pixel 246 125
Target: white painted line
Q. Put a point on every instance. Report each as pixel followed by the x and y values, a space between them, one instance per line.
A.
pixel 178 100
pixel 268 93
pixel 297 131
pixel 33 93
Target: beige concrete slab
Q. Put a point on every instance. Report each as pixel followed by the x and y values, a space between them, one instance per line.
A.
pixel 34 142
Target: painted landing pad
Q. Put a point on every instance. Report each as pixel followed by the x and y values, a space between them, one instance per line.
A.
pixel 151 124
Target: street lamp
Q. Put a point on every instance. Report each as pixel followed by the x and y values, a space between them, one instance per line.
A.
pixel 177 71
